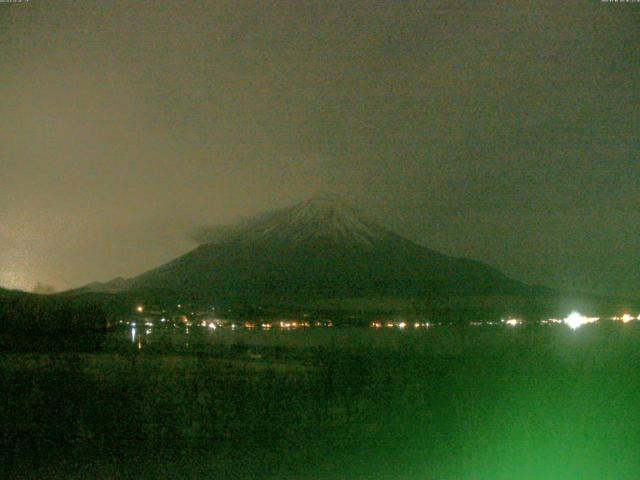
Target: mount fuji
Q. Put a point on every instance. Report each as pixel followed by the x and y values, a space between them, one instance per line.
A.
pixel 322 248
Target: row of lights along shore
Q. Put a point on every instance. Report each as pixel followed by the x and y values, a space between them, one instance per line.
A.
pixel 574 321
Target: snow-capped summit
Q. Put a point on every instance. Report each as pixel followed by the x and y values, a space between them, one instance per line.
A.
pixel 326 217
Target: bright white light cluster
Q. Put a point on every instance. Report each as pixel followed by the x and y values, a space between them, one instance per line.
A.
pixel 576 320
pixel 512 322
pixel 401 324
pixel 551 320
pixel 626 318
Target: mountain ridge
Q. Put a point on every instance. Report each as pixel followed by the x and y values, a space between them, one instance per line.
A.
pixel 322 247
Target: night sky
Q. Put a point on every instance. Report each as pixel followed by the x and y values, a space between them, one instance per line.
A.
pixel 506 133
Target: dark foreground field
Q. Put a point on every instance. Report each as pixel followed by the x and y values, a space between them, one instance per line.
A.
pixel 453 404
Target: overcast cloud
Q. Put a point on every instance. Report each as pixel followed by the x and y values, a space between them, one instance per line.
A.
pixel 507 133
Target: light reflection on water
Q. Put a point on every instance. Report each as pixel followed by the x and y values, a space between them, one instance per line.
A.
pixel 166 337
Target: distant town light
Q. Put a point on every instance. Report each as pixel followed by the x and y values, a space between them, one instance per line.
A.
pixel 553 320
pixel 513 322
pixel 576 320
pixel 626 318
pixel 139 309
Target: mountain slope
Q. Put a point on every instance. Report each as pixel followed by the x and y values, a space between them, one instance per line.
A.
pixel 319 248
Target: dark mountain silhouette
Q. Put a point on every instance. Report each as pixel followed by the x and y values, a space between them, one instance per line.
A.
pixel 321 248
